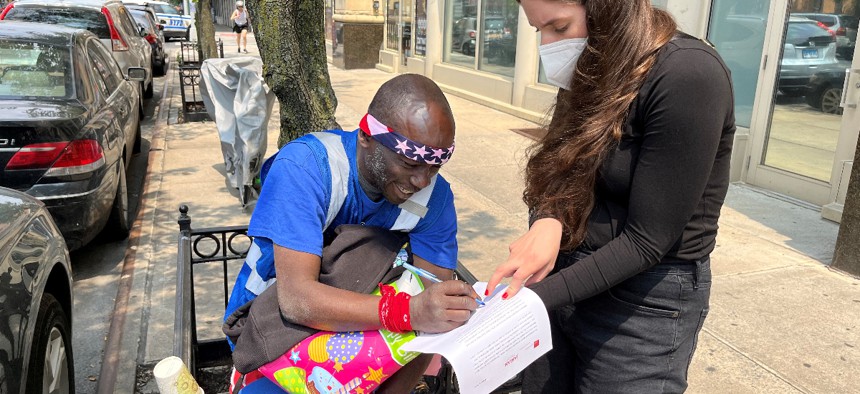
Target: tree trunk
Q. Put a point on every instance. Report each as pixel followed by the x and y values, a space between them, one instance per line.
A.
pixel 290 37
pixel 847 254
pixel 205 30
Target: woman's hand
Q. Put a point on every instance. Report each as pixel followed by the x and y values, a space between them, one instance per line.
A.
pixel 532 257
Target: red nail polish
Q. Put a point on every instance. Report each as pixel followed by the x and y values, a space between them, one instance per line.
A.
pixel 505 296
pixel 486 292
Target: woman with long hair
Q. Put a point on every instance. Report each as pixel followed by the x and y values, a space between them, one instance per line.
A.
pixel 624 194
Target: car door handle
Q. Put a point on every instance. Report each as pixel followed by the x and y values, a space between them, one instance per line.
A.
pixel 845 85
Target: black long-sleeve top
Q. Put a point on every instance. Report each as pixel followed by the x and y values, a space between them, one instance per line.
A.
pixel 659 193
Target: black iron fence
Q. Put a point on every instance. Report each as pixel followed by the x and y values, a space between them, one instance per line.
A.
pixel 193 109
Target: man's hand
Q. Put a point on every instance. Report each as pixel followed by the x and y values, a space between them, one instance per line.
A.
pixel 443 306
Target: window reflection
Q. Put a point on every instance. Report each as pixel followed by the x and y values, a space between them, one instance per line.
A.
pixel 392 16
pixel 806 117
pixel 490 33
pixel 737 31
pixel 499 22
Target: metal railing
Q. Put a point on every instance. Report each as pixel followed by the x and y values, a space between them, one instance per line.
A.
pixel 222 247
pixel 193 109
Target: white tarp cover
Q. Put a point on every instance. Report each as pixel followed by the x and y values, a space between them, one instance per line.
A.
pixel 240 102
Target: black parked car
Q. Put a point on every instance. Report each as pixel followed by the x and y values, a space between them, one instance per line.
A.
pixel 824 91
pixel 69 122
pixel 155 37
pixel 36 292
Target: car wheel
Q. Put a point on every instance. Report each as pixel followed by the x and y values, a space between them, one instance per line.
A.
pixel 468 50
pixel 147 94
pixel 51 363
pixel 160 70
pixel 164 66
pixel 830 99
pixel 119 222
pixel 137 138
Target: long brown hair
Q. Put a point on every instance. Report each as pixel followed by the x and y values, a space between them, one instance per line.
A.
pixel 623 40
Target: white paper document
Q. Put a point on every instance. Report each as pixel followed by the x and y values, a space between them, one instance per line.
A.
pixel 497 342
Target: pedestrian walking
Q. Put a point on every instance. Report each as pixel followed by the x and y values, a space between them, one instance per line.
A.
pixel 624 193
pixel 241 20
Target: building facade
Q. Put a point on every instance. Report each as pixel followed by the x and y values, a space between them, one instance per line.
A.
pixel 796 81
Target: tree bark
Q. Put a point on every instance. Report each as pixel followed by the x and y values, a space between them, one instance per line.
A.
pixel 846 257
pixel 205 30
pixel 290 37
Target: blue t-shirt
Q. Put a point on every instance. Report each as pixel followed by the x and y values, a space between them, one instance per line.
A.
pixel 292 207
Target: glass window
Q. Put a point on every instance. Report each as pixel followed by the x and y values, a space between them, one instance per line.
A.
pixel 164 9
pixel 737 31
pixel 79 18
pixel 104 64
pixel 461 25
pixel 490 33
pixel 420 27
pixel 499 36
pixel 392 16
pixel 29 69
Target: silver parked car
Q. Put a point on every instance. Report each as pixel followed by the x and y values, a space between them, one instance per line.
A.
pixel 36 292
pixel 808 48
pixel 110 20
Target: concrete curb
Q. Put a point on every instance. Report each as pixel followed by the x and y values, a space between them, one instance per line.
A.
pixel 124 343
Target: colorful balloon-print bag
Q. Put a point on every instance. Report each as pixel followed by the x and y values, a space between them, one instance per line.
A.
pixel 345 362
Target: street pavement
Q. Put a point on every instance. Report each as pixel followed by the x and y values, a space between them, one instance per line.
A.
pixel 780 321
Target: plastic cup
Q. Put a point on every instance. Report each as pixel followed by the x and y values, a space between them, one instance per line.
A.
pixel 172 377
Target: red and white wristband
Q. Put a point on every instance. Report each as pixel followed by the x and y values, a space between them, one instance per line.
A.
pixel 394 309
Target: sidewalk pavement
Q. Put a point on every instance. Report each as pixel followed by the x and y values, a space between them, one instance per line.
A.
pixel 780 320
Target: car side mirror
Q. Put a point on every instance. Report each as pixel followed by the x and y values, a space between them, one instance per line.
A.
pixel 136 74
pixel 160 27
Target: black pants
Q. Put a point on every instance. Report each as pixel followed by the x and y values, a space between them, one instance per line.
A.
pixel 239 28
pixel 638 337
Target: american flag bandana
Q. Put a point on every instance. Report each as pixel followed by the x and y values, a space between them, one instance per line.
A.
pixel 404 146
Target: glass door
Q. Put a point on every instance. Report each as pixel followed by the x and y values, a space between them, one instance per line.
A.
pixel 798 152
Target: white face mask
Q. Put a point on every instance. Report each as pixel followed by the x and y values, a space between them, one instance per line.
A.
pixel 559 60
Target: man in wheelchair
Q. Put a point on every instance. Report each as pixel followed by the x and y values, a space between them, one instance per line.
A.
pixel 383 175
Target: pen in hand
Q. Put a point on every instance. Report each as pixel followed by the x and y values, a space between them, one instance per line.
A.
pixel 426 274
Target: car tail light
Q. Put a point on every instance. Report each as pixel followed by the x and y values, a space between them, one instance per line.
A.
pixel 60 158
pixel 839 32
pixel 150 38
pixel 471 34
pixel 6 10
pixel 823 26
pixel 118 43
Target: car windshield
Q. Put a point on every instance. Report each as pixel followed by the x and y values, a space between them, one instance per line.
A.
pixel 800 33
pixel 79 18
pixel 33 70
pixel 850 21
pixel 164 9
pixel 494 24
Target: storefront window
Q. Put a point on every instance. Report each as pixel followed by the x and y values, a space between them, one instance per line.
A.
pixel 461 28
pixel 499 36
pixel 392 28
pixel 420 27
pixel 737 31
pixel 495 44
pixel 541 73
